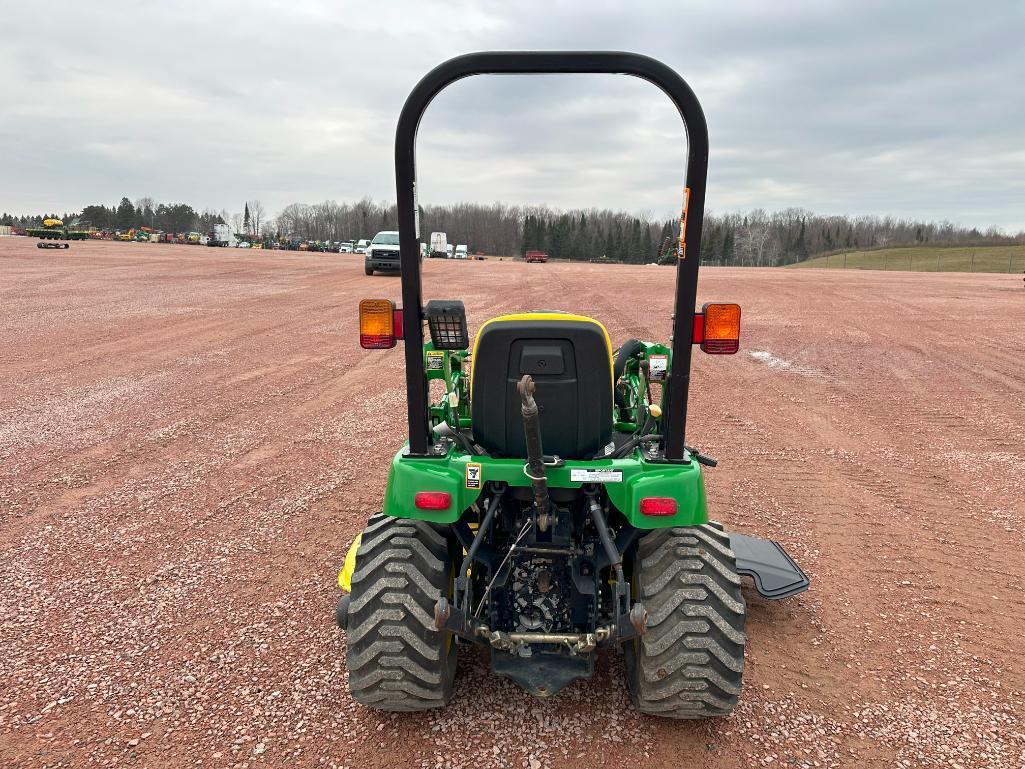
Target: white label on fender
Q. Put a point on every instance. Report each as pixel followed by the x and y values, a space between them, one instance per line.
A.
pixel 595 476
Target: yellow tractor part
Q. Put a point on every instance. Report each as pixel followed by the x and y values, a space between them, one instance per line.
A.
pixel 349 567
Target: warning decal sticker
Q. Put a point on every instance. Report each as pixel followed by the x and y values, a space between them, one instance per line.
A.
pixel 435 360
pixel 681 249
pixel 657 367
pixel 473 473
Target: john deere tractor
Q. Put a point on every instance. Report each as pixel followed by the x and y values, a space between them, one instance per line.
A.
pixel 547 505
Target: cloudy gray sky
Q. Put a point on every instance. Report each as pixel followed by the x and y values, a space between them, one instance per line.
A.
pixel 906 108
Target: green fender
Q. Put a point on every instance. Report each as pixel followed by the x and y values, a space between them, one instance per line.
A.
pixel 462 476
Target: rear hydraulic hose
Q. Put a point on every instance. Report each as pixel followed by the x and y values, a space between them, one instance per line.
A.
pixel 482 531
pixel 615 559
pixel 535 454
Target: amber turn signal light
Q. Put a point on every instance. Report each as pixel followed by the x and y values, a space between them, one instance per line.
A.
pixel 721 332
pixel 376 324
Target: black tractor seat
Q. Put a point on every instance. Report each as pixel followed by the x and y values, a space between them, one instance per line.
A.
pixel 570 360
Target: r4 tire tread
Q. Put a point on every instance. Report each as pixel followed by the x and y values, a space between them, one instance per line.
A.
pixel 690 661
pixel 397 660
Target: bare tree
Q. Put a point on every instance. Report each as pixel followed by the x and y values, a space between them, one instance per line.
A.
pixel 236 222
pixel 146 207
pixel 756 238
pixel 256 214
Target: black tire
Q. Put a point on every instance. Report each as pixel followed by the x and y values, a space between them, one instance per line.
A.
pixel 368 269
pixel 397 659
pixel 690 662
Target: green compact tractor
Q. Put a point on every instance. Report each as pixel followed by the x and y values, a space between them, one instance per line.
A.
pixel 547 506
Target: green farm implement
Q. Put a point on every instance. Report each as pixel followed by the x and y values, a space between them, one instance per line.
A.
pixel 55 234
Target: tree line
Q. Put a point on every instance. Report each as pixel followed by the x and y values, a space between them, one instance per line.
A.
pixel 755 238
pixel 146 212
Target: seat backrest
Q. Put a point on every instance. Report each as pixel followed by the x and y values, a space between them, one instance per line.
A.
pixel 570 360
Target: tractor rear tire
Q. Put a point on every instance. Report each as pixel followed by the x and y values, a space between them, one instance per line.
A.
pixel 397 659
pixel 690 661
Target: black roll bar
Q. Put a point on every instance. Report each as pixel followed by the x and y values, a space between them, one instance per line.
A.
pixel 548 62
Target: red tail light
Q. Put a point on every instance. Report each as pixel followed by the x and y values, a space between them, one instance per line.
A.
pixel 433 500
pixel 397 324
pixel 658 506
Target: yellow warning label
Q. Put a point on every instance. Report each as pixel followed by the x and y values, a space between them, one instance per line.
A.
pixel 681 250
pixel 435 360
pixel 473 475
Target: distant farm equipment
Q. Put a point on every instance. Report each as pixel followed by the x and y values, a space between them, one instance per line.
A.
pixel 55 234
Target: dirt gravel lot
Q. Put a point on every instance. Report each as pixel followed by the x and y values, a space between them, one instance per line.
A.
pixel 190 438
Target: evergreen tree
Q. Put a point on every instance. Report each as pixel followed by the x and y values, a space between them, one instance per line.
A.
pixel 247 222
pixel 100 216
pixel 802 245
pixel 635 247
pixel 126 215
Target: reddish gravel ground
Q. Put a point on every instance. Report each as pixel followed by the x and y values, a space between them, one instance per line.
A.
pixel 190 438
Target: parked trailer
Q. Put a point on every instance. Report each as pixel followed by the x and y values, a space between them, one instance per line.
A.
pixel 535 256
pixel 222 236
pixel 439 246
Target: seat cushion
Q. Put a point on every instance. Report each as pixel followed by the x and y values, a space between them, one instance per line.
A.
pixel 570 359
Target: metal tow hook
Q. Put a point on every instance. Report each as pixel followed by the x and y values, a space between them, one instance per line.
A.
pixel 442 611
pixel 639 618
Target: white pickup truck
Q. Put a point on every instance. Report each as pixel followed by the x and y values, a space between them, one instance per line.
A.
pixel 382 253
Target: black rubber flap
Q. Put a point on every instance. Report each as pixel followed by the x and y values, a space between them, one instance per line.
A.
pixel 775 573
